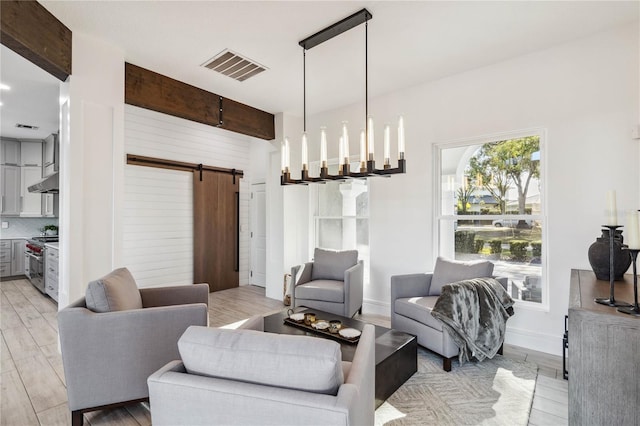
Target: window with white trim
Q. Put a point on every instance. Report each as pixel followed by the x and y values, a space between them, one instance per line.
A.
pixel 491 207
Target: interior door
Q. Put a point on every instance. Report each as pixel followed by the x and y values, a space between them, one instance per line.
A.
pixel 258 235
pixel 216 229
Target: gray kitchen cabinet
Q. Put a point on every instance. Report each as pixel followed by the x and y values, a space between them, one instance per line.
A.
pixel 31 203
pixel 9 152
pixel 51 274
pixel 31 153
pixel 17 257
pixel 5 258
pixel 49 205
pixel 10 190
pixel 50 156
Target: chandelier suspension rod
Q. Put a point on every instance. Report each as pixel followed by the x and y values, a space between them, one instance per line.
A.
pixel 304 89
pixel 366 88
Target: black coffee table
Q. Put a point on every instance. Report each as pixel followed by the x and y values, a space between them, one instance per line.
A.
pixel 396 352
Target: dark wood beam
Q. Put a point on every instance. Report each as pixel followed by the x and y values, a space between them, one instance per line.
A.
pixel 150 90
pixel 30 30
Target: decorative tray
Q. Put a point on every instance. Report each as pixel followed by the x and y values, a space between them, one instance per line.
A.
pixel 335 336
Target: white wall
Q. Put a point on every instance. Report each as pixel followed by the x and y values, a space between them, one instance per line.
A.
pixel 585 93
pixel 153 134
pixel 91 136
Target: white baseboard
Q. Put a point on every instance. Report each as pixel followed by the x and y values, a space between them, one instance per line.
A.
pixel 541 342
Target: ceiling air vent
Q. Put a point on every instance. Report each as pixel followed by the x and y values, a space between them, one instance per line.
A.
pixel 234 65
pixel 26 126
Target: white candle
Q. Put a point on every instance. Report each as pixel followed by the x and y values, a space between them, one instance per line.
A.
pixel 612 211
pixel 633 230
pixel 363 150
pixel 305 152
pixel 401 138
pixel 387 147
pixel 341 153
pixel 370 140
pixel 286 154
pixel 345 142
pixel 323 147
pixel 283 161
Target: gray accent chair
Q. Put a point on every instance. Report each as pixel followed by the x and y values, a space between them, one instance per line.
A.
pixel 116 337
pixel 413 296
pixel 331 283
pixel 245 377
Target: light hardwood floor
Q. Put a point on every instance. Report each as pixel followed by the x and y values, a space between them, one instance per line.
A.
pixel 32 389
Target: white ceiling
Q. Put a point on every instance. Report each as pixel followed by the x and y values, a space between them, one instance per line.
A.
pixel 409 42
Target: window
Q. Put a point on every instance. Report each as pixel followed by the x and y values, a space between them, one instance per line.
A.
pixel 341 217
pixel 491 207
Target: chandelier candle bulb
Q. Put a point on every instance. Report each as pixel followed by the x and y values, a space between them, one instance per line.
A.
pixel 612 211
pixel 323 148
pixel 283 161
pixel 633 230
pixel 341 153
pixel 286 155
pixel 363 152
pixel 401 138
pixel 370 139
pixel 305 152
pixel 387 147
pixel 345 142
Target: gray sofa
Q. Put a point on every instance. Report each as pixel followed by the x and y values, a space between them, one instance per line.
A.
pixel 114 338
pixel 331 283
pixel 246 377
pixel 413 296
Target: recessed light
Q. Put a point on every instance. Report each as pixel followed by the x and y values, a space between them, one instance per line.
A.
pixel 4 87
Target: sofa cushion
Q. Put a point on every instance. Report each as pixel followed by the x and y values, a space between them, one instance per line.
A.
pixel 418 309
pixel 450 271
pixel 116 291
pixel 294 362
pixel 326 290
pixel 331 264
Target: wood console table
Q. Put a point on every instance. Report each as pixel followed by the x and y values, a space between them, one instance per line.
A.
pixel 604 354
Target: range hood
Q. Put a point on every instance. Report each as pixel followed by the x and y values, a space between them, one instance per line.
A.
pixel 48 185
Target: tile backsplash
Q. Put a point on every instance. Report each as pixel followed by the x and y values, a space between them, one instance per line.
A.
pixel 25 226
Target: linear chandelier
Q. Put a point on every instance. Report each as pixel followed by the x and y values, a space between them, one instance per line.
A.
pixel 367 161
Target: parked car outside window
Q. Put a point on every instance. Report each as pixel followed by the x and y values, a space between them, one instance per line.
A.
pixel 511 223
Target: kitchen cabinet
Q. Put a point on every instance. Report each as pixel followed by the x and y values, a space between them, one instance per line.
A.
pixel 12 257
pixel 49 205
pixel 9 152
pixel 10 190
pixel 51 274
pixel 50 156
pixel 31 203
pixel 31 153
pixel 17 257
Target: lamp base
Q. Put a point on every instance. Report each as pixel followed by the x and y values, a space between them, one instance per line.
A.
pixel 609 302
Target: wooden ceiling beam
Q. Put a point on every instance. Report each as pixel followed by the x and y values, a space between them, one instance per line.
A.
pixel 31 31
pixel 150 90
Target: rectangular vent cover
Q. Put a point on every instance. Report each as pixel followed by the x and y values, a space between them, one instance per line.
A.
pixel 234 65
pixel 26 126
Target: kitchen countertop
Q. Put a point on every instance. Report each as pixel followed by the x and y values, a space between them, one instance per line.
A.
pixel 51 245
pixel 16 238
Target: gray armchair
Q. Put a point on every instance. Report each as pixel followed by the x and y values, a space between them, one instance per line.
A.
pixel 245 377
pixel 118 335
pixel 413 296
pixel 331 283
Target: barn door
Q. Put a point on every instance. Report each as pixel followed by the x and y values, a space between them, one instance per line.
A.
pixel 216 229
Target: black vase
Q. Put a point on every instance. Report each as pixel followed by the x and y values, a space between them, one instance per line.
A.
pixel 599 256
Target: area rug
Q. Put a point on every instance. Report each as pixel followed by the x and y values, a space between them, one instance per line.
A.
pixel 496 391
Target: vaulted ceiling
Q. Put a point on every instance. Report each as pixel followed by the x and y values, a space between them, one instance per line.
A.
pixel 409 42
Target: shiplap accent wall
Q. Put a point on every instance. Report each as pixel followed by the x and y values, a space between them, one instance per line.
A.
pixel 158 207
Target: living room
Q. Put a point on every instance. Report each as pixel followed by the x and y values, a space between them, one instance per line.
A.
pixel 578 85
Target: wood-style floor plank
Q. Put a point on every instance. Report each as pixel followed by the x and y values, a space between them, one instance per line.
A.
pixel 42 332
pixel 16 407
pixel 114 417
pixel 20 343
pixel 9 318
pixel 56 416
pixel 541 418
pixel 43 386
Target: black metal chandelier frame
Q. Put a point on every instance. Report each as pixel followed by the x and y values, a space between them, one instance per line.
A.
pixel 361 17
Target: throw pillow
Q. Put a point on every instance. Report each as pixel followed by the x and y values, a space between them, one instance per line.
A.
pixel 116 291
pixel 294 362
pixel 450 271
pixel 331 264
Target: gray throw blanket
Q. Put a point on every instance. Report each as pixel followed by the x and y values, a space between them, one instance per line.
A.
pixel 475 314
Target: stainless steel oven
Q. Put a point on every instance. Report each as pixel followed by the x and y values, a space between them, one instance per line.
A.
pixel 34 255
